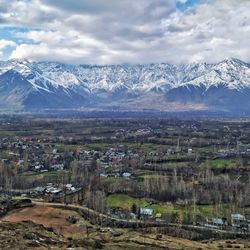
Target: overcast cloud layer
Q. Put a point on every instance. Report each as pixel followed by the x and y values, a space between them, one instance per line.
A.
pixel 125 31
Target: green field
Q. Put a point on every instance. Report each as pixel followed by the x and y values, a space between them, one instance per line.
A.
pixel 99 146
pixel 6 133
pixel 125 201
pixel 65 147
pixel 39 176
pixel 220 163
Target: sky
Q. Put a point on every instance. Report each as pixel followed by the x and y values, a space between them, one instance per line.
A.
pixel 125 31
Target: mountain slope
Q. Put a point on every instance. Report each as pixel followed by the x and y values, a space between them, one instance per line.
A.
pixel 14 89
pixel 26 85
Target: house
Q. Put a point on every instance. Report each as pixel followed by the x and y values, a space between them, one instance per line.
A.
pixel 239 221
pixel 170 151
pixel 104 175
pixel 126 175
pixel 54 151
pixel 133 216
pixel 236 218
pixel 218 222
pixel 57 167
pixel 38 167
pixel 53 190
pixel 146 212
pixel 39 189
pixel 70 187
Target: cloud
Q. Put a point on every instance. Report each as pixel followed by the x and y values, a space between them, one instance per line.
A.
pixel 211 31
pixel 6 43
pixel 109 32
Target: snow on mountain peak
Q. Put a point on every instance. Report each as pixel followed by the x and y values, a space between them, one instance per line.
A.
pixel 135 78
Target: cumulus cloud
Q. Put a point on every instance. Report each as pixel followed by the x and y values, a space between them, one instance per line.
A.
pixel 6 43
pixel 211 32
pixel 27 13
pixel 125 31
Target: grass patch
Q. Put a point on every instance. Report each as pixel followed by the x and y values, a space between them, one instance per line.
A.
pixel 114 180
pixel 125 201
pixel 6 133
pixel 146 147
pixel 64 147
pixel 99 146
pixel 45 174
pixel 220 163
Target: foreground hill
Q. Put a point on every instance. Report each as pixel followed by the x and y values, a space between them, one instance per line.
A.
pixel 42 227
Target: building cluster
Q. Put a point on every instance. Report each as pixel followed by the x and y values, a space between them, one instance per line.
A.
pixel 58 193
pixel 28 154
pixel 237 222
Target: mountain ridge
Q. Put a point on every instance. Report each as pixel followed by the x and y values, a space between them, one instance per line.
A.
pixel 126 87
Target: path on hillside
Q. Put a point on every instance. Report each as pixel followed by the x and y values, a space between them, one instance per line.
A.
pixel 107 220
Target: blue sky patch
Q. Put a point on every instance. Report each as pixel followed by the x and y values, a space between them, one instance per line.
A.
pixel 186 5
pixel 10 34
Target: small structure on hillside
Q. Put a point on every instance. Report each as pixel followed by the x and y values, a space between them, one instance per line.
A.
pixel 126 175
pixel 239 222
pixel 146 212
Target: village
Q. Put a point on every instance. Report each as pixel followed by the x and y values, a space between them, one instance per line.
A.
pixel 135 172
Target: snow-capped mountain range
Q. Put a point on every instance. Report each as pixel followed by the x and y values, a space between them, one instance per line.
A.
pixel 26 85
